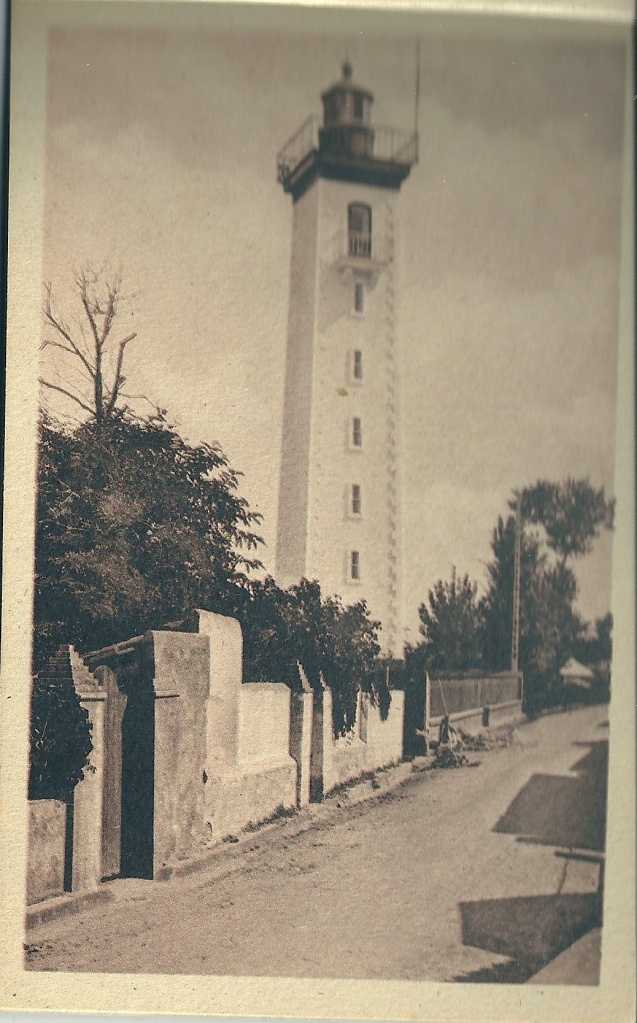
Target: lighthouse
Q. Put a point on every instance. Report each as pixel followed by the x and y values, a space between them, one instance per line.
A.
pixel 340 492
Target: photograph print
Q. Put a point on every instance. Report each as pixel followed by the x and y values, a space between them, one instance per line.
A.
pixel 318 672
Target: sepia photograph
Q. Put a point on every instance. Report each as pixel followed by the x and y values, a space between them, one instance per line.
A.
pixel 318 617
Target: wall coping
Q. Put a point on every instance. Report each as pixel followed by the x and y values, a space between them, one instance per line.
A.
pixel 461 715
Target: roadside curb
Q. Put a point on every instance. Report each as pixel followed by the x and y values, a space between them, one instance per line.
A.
pixel 221 858
pixel 222 855
pixel 65 905
pixel 578 964
pixel 301 820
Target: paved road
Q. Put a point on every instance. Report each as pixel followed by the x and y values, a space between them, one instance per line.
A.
pixel 479 873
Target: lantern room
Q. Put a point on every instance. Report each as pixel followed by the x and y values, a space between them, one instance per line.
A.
pixel 347 118
pixel 345 146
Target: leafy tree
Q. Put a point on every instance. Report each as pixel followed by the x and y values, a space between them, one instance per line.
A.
pixel 135 527
pixel 572 514
pixel 60 734
pixel 603 649
pixel 596 645
pixel 451 625
pixel 560 523
pixel 283 628
pixel 60 731
pixel 567 518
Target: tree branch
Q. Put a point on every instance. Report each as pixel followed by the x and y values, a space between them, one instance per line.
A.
pixel 119 379
pixel 62 330
pixel 48 343
pixel 95 347
pixel 69 394
pixel 109 315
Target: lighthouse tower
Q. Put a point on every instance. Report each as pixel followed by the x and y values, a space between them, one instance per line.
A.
pixel 339 501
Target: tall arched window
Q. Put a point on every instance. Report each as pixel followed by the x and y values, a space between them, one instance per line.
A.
pixel 359 224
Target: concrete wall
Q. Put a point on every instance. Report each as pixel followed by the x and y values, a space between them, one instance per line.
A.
pixel 47 841
pixel 150 745
pixel 350 759
pixel 385 738
pixel 474 704
pixel 251 793
pixel 264 721
pixel 372 743
pixel 185 754
pixel 249 770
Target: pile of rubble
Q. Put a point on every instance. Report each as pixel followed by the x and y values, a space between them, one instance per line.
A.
pixel 486 741
pixel 447 756
pixel 453 744
pixel 449 749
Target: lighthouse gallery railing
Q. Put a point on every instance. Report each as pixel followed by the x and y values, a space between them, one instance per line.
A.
pixel 390 146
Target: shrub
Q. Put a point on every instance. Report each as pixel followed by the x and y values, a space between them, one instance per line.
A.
pixel 60 733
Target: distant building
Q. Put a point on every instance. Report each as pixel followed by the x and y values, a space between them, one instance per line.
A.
pixel 575 674
pixel 339 503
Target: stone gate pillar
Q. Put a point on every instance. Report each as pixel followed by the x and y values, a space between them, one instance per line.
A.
pixel 329 773
pixel 114 708
pixel 226 675
pixel 152 775
pixel 88 796
pixel 301 717
pixel 180 684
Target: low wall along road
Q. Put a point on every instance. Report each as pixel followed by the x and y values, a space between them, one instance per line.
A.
pixel 185 755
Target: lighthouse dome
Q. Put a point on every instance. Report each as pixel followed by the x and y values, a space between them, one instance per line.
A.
pixel 346 103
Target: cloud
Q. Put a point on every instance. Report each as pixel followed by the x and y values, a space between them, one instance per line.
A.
pixel 160 156
pixel 512 81
pixel 514 206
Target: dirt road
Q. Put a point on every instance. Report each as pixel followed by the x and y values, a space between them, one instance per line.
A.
pixel 476 873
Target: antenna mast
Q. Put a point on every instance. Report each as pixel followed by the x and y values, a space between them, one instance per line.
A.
pixel 417 93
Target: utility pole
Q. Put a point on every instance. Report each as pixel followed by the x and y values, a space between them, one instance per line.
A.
pixel 417 94
pixel 515 630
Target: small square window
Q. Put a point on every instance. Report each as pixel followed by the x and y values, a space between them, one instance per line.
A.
pixel 355 565
pixel 357 432
pixel 359 298
pixel 357 504
pixel 357 365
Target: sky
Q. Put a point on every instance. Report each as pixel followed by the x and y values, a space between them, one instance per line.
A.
pixel 160 159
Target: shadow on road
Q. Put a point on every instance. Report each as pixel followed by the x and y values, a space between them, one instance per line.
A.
pixel 560 810
pixel 568 812
pixel 530 930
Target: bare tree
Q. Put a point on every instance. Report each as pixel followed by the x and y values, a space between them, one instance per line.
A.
pixel 100 357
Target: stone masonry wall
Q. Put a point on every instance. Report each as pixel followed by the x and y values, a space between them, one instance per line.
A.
pixel 372 743
pixel 47 835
